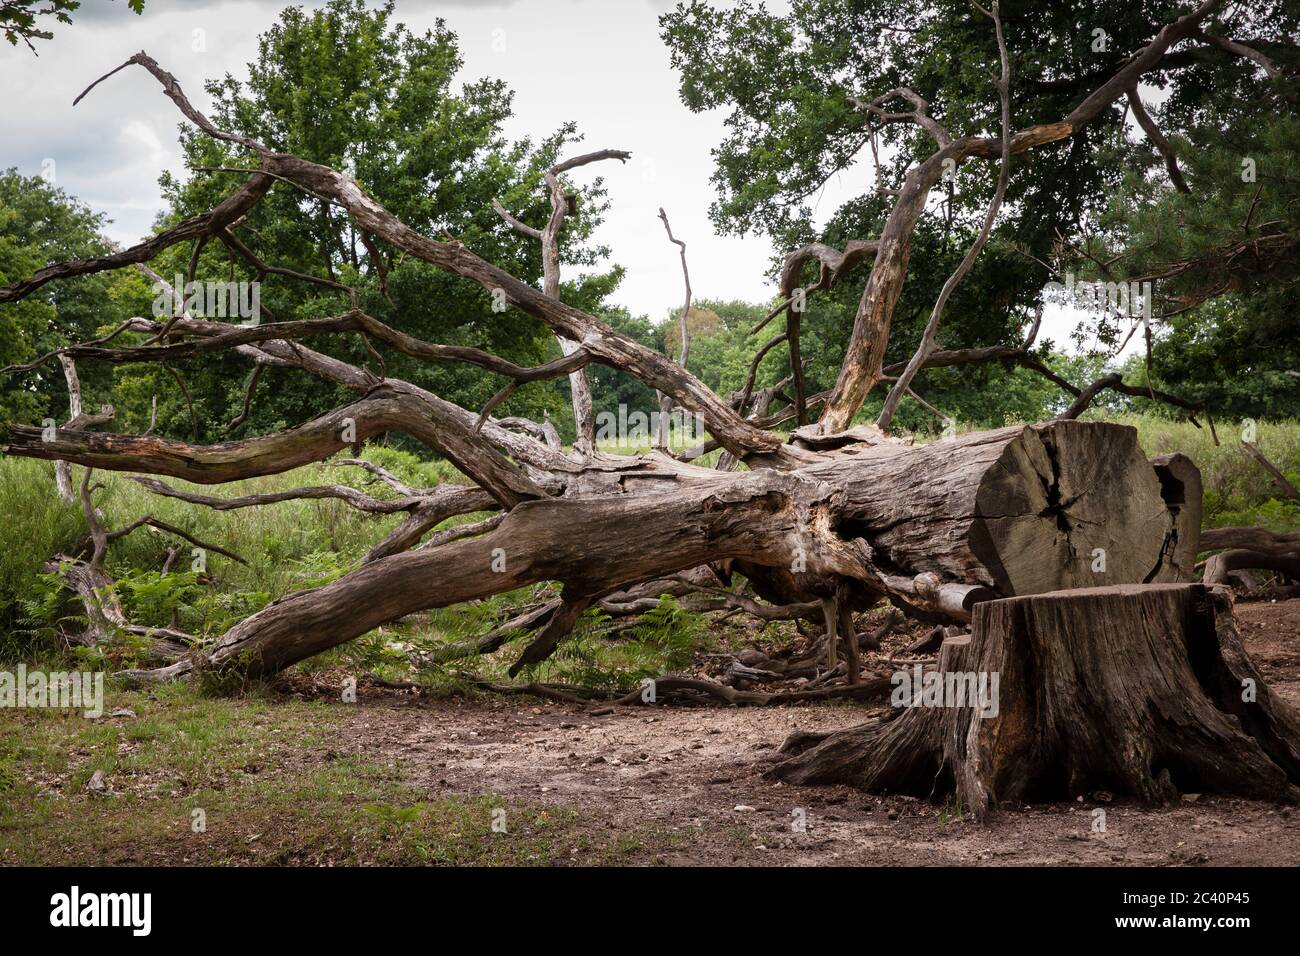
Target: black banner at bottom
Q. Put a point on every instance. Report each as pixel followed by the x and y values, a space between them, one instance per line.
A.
pixel 335 905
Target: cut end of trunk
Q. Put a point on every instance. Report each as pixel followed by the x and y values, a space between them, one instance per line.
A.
pixel 1073 504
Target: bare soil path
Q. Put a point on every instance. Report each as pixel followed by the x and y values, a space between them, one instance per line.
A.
pixel 696 773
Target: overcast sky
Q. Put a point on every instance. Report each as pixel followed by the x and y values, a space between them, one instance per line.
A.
pixel 596 62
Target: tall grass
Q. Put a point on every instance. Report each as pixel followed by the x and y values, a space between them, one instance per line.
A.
pixel 1237 490
pixel 34 525
pixel 287 546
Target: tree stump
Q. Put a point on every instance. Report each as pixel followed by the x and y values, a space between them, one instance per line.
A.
pixel 1142 690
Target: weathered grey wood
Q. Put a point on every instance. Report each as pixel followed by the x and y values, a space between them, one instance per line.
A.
pixel 1141 689
pixel 1221 565
pixel 1249 548
pixel 1019 510
pixel 1180 486
pixel 1257 539
pixel 912 511
pixel 1070 506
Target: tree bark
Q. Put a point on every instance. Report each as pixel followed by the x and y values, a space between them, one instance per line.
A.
pixel 934 527
pixel 1140 690
pixel 1019 510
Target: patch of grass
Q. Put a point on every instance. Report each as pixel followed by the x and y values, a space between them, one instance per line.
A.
pixel 951 812
pixel 664 639
pixel 37 525
pixel 272 784
pixel 289 546
pixel 191 739
pixel 461 832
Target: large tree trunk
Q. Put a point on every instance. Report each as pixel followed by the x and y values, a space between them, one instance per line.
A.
pixel 935 527
pixel 1139 690
pixel 1021 510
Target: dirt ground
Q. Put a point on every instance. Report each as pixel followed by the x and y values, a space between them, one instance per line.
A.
pixel 698 772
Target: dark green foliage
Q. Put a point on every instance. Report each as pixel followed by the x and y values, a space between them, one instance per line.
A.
pixel 785 81
pixel 40 224
pixel 23 19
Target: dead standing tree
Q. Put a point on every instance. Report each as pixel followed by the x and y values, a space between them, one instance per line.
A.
pixel 831 518
pixel 562 204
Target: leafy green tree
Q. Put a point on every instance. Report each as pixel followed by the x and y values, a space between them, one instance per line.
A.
pixel 350 87
pixel 722 346
pixel 40 224
pixel 613 387
pixel 22 19
pixel 786 82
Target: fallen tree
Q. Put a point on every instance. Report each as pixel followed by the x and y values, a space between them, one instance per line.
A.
pixel 827 520
pixel 936 528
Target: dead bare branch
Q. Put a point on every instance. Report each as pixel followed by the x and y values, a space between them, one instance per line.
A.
pixel 927 345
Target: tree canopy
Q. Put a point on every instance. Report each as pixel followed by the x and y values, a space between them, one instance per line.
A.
pixel 788 83
pixel 22 20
